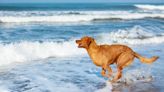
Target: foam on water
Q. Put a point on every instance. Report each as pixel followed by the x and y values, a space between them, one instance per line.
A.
pixel 53 13
pixel 55 74
pixel 26 51
pixel 4 89
pixel 150 7
pixel 133 36
pixel 69 69
pixel 75 16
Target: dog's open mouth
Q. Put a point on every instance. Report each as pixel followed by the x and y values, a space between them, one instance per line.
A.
pixel 80 46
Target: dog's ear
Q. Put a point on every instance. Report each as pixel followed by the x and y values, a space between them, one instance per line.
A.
pixel 89 41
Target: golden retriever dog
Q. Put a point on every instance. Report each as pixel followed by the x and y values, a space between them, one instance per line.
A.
pixel 105 55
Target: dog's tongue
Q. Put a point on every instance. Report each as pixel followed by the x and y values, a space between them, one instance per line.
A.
pixel 80 46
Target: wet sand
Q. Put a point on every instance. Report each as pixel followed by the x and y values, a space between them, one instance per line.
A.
pixel 135 87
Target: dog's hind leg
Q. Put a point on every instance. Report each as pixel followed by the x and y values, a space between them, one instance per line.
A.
pixel 123 60
pixel 118 75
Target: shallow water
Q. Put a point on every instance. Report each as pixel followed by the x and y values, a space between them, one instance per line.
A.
pixel 39 53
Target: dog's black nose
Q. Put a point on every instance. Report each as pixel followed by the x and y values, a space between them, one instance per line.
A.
pixel 77 41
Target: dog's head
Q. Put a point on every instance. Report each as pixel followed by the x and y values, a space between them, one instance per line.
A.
pixel 84 42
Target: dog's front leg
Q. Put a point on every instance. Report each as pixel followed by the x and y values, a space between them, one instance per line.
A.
pixel 109 71
pixel 103 72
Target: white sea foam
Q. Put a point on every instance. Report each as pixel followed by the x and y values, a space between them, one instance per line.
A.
pixel 54 75
pixel 27 51
pixel 133 36
pixel 82 17
pixel 3 88
pixel 151 7
pixel 52 13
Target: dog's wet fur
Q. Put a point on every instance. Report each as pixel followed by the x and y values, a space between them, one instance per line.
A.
pixel 105 55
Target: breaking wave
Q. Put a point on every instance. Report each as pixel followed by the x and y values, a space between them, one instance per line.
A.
pixel 151 7
pixel 27 51
pixel 73 16
pixel 133 36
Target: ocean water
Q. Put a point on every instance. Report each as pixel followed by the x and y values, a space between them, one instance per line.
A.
pixel 39 53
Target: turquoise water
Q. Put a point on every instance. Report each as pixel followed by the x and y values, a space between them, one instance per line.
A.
pixel 39 53
pixel 65 6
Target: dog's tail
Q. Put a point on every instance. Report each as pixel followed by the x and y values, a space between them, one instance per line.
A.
pixel 144 59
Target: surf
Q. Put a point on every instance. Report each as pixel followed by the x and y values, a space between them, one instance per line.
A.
pixel 136 35
pixel 150 7
pixel 73 16
pixel 29 51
